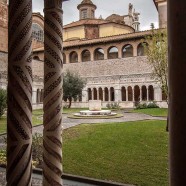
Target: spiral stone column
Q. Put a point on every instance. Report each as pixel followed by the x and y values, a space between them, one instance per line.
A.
pixel 19 118
pixel 53 65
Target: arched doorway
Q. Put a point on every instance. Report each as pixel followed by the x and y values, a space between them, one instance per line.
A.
pixel 130 94
pixel 112 94
pixel 144 93
pixel 136 93
pixel 113 53
pixel 99 54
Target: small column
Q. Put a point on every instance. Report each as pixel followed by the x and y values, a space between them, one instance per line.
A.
pixel 135 50
pixel 103 95
pixel 127 94
pixel 84 96
pixel 105 53
pixel 109 94
pixel 53 78
pixel 19 116
pixel 92 94
pixel 147 93
pixel 34 96
pixel 67 57
pixel 98 94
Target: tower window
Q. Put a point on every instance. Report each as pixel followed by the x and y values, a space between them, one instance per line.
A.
pixel 84 14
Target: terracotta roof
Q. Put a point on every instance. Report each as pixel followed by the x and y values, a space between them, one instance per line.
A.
pixel 116 18
pixel 86 22
pixel 82 42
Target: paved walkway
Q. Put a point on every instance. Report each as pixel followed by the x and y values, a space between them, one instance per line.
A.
pixel 67 123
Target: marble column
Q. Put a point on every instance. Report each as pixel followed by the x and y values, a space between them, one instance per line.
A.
pixel 109 95
pixel 147 93
pixel 34 96
pixel 84 95
pixel 103 95
pixel 92 94
pixel 19 116
pixel 53 82
pixel 177 91
pixel 127 94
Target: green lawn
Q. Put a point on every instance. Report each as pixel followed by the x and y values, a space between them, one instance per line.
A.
pixel 36 119
pixel 132 152
pixel 2 124
pixel 153 111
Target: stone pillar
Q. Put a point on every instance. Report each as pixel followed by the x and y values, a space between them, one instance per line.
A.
pixel 127 94
pixel 85 96
pixel 105 53
pixel 103 95
pixel 92 94
pixel 109 94
pixel 117 95
pixel 177 91
pixel 98 94
pixel 34 96
pixel 67 57
pixel 19 117
pixel 135 50
pixel 147 93
pixel 52 142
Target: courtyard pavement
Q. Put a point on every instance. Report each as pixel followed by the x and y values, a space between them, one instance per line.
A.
pixel 67 123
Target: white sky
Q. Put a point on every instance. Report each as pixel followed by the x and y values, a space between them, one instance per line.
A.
pixel 105 8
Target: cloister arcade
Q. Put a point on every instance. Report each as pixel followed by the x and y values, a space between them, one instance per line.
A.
pixel 126 93
pixel 101 53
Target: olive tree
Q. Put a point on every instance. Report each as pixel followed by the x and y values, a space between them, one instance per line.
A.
pixel 73 85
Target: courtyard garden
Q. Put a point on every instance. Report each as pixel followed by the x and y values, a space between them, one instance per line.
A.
pixel 127 152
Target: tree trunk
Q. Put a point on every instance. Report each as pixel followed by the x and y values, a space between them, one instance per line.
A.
pixel 70 102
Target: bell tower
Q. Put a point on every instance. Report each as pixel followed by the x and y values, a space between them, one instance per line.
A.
pixel 86 9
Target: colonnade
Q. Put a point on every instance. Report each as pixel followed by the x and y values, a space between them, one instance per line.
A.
pixel 19 122
pixel 125 93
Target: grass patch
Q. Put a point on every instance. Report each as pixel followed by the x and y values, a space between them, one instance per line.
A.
pixel 36 120
pixel 3 124
pixel 131 152
pixel 153 111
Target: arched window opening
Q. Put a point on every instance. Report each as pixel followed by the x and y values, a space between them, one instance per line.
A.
pixel 144 93
pixel 151 93
pixel 99 54
pixel 123 93
pixel 141 49
pixel 95 93
pixel 113 53
pixel 112 94
pixel 130 94
pixel 85 56
pixel 37 32
pixel 136 93
pixel 89 94
pixel 106 94
pixel 100 94
pixel 73 57
pixel 127 51
pixel 64 58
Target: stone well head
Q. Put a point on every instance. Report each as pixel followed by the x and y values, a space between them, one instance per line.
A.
pixel 94 105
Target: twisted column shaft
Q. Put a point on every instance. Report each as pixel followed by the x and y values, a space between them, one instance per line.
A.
pixel 19 119
pixel 52 142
